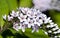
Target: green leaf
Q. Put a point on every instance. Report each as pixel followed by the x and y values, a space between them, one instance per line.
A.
pixel 5 7
pixel 1 36
pixel 3 10
pixel 12 4
pixel 9 37
pixel 13 30
pixel 39 34
pixel 25 3
pixel 29 34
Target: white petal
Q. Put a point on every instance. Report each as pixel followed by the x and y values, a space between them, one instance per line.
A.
pixel 23 29
pixel 10 18
pixel 4 17
pixel 50 21
pixel 48 26
pixel 29 26
pixel 16 27
pixel 33 31
pixel 13 13
pixel 50 31
pixel 46 33
pixel 55 29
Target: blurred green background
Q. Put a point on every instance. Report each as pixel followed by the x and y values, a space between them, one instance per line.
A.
pixel 6 6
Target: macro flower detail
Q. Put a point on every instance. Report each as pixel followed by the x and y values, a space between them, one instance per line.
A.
pixel 32 18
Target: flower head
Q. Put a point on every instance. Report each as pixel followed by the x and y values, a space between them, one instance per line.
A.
pixel 32 18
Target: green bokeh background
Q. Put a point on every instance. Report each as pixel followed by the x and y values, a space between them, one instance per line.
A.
pixel 6 6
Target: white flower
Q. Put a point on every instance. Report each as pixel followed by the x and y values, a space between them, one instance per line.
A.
pixel 15 26
pixel 43 16
pixel 40 21
pixel 10 18
pixel 25 22
pixel 14 14
pixel 48 26
pixel 45 32
pixel 22 17
pixel 52 26
pixel 55 32
pixel 47 20
pixel 49 31
pixel 4 17
pixel 29 13
pixel 30 21
pixel 37 23
pixel 17 13
pixel 51 23
pixel 58 31
pixel 33 30
pixel 55 24
pixel 55 28
pixel 24 10
pixel 22 27
pixel 55 36
pixel 29 26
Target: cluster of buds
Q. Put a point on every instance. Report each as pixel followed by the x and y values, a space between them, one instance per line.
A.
pixel 32 18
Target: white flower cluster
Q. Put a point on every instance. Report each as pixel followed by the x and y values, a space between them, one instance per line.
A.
pixel 44 5
pixel 33 18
